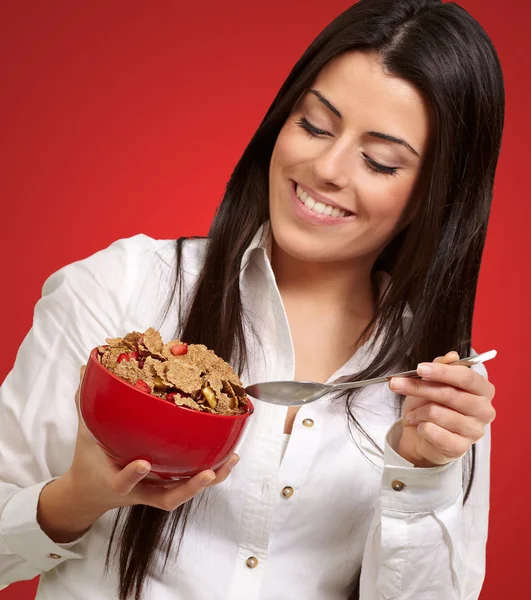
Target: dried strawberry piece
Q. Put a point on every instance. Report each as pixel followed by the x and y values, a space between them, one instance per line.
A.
pixel 179 349
pixel 143 386
pixel 171 396
pixel 127 356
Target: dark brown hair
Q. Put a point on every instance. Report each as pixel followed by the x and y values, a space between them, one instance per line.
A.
pixel 434 262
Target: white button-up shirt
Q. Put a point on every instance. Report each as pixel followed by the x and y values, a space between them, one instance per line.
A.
pixel 252 539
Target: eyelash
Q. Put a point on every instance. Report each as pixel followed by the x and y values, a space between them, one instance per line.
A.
pixel 371 164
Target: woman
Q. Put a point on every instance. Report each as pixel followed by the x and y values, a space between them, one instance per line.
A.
pixel 347 245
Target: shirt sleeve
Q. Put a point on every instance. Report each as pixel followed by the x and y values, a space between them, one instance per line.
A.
pixel 81 305
pixel 423 543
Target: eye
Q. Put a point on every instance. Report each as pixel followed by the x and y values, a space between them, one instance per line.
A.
pixel 311 129
pixel 375 167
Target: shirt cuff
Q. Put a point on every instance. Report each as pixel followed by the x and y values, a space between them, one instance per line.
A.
pixel 21 531
pixel 407 488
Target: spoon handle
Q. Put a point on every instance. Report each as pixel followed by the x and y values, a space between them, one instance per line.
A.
pixel 467 362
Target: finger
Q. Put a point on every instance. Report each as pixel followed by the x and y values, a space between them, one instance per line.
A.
pixel 187 489
pixel 169 500
pixel 447 358
pixel 458 376
pixel 431 391
pixel 451 445
pixel 125 479
pixel 448 419
pixel 226 469
pixel 78 391
pixel 411 403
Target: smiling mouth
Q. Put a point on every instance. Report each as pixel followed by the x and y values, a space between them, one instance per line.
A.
pixel 319 207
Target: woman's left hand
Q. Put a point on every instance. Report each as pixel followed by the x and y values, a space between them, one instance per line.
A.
pixel 444 413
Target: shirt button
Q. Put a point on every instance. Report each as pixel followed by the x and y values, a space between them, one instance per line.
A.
pixel 398 486
pixel 287 492
pixel 252 562
pixel 308 423
pixel 52 555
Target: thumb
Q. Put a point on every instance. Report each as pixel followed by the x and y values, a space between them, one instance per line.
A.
pixel 449 357
pixel 126 479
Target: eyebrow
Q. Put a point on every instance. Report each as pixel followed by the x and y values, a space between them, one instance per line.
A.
pixel 376 134
pixel 327 103
pixel 392 138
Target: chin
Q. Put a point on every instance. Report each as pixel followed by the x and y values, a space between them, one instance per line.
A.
pixel 308 243
pixel 307 246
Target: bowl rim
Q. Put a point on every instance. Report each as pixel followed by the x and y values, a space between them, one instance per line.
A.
pixel 247 413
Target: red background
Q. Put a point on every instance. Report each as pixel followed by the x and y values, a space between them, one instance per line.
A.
pixel 128 117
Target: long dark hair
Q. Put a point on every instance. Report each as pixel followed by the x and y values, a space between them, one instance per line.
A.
pixel 434 262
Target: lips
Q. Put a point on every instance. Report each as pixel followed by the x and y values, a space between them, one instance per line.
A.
pixel 315 210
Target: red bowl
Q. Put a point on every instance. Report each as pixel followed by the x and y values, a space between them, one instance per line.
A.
pixel 130 424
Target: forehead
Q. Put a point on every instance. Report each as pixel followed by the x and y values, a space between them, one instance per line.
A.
pixel 371 99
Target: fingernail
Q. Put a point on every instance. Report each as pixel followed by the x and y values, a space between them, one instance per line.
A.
pixel 208 479
pixel 398 384
pixel 424 369
pixel 143 468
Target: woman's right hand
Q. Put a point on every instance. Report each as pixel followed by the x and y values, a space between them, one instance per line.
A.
pixel 100 481
pixel 94 485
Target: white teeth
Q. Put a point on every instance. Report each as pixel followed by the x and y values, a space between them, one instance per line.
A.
pixel 319 207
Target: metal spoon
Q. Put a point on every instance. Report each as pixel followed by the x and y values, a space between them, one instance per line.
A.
pixel 297 393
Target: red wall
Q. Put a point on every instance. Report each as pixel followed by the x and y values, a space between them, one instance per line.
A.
pixel 127 117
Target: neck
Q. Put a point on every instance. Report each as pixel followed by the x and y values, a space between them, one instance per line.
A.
pixel 338 286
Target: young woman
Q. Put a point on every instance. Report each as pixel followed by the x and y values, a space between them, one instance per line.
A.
pixel 347 245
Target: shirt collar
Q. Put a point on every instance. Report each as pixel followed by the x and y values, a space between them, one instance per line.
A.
pixel 262 241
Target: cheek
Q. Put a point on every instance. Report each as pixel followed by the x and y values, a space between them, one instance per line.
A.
pixel 383 198
pixel 289 149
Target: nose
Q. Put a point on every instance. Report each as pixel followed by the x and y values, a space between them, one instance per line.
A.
pixel 333 167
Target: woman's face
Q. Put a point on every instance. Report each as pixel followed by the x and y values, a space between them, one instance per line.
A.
pixel 346 162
